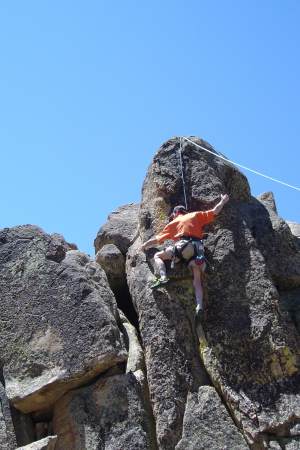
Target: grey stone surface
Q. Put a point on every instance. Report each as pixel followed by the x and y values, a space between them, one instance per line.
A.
pixel 274 238
pixel 208 425
pixel 24 427
pixel 290 303
pixel 250 349
pixel 58 318
pixel 295 228
pixel 7 433
pixel 48 443
pixel 285 444
pixel 292 444
pixel 268 199
pixel 166 321
pixel 112 262
pixel 108 414
pixel 120 228
pixel 135 359
pixel 274 445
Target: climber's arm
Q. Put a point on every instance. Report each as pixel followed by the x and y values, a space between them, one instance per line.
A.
pixel 150 243
pixel 167 233
pixel 219 206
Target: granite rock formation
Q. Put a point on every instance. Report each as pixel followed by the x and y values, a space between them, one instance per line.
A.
pixel 250 347
pixel 92 358
pixel 120 228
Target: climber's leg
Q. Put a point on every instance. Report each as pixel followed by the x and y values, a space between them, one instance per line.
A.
pixel 160 267
pixel 197 282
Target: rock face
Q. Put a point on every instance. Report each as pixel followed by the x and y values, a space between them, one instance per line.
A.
pixel 166 322
pixel 120 228
pixel 295 228
pixel 113 263
pixel 7 433
pixel 110 414
pixel 207 425
pixel 93 358
pixel 250 349
pixel 58 318
pixel 276 242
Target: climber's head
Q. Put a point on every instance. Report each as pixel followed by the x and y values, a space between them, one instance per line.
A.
pixel 178 210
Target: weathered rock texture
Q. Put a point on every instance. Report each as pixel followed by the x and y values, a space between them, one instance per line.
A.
pixel 206 424
pixel 58 318
pixel 295 228
pixel 135 359
pixel 74 366
pixel 166 321
pixel 120 228
pixel 111 246
pixel 250 348
pixel 109 415
pixel 112 262
pixel 276 242
pixel 7 432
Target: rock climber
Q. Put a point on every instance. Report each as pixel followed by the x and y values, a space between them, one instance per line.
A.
pixel 186 229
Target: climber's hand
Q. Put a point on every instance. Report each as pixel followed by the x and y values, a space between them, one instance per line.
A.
pixel 224 198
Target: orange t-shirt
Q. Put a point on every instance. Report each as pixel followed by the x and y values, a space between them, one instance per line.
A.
pixel 190 224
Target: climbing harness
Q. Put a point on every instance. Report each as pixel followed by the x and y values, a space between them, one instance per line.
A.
pixel 189 248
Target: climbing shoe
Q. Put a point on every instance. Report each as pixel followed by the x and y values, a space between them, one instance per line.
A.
pixel 199 314
pixel 159 282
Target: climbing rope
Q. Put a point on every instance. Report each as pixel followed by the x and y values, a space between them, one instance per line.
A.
pixel 239 165
pixel 182 174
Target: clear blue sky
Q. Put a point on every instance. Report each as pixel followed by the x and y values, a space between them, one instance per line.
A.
pixel 89 91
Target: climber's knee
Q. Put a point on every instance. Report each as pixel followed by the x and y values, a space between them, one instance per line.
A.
pixel 164 254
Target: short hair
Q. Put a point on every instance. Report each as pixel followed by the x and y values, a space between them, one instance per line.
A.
pixel 178 209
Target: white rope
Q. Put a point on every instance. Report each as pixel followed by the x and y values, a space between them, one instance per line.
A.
pixel 182 176
pixel 240 165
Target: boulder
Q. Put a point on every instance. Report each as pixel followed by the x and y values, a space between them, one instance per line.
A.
pixel 120 228
pixel 112 262
pixel 58 315
pixel 207 425
pixel 108 414
pixel 250 350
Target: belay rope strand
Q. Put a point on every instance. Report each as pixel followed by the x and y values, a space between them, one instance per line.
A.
pixel 182 174
pixel 236 164
pixel 181 139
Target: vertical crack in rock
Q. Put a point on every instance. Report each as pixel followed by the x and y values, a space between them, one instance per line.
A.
pixel 207 424
pixel 172 360
pixel 112 262
pixel 109 413
pixel 136 365
pixel 111 245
